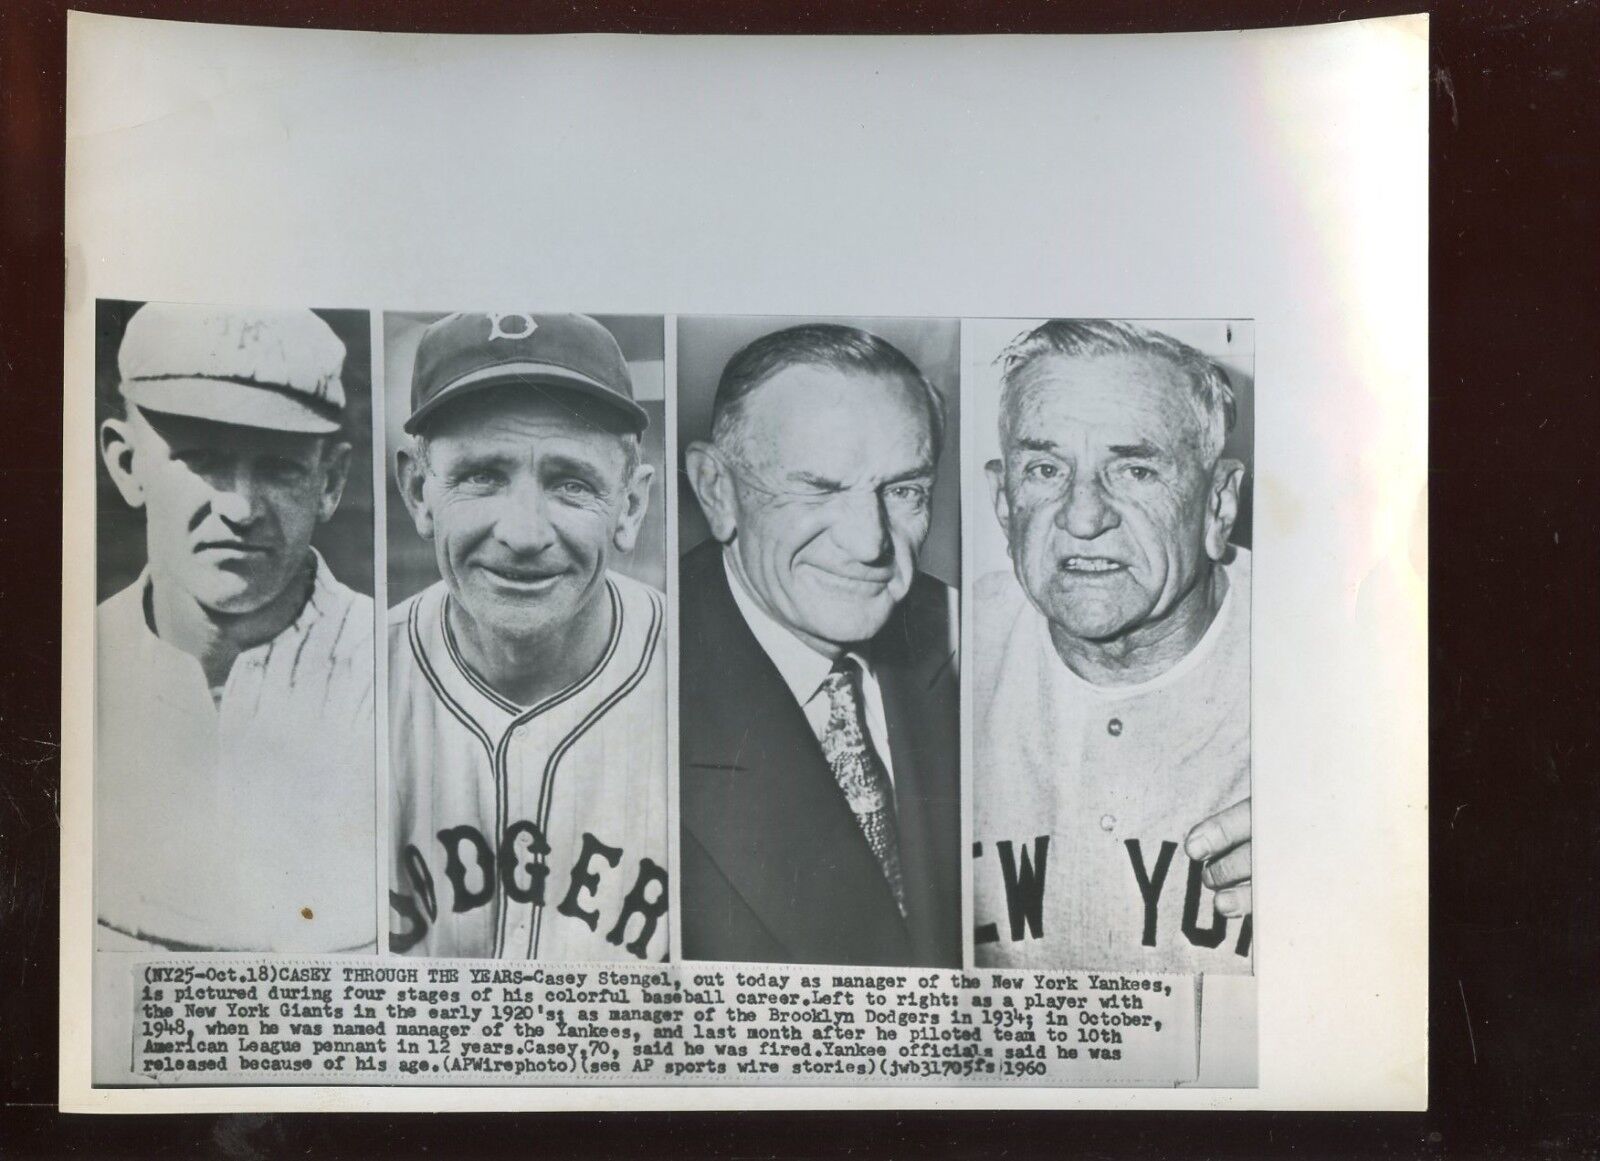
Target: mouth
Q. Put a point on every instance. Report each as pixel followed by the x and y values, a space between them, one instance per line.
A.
pixel 865 582
pixel 523 578
pixel 1091 565
pixel 242 548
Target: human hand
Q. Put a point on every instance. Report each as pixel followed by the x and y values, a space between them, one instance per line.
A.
pixel 1222 842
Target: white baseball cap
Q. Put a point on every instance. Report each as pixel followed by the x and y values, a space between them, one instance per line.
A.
pixel 276 369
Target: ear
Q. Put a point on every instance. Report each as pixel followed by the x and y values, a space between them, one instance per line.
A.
pixel 409 474
pixel 116 448
pixel 996 472
pixel 1222 506
pixel 635 503
pixel 713 485
pixel 335 471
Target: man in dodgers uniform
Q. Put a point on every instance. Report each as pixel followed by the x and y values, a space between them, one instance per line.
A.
pixel 528 686
pixel 235 747
pixel 1112 663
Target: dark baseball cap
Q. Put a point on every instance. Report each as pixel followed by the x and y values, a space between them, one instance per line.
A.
pixel 463 353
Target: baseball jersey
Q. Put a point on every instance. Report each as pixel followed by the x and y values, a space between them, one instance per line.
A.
pixel 245 823
pixel 529 832
pixel 1083 795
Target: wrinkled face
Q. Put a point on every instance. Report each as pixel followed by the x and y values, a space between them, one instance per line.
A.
pixel 229 511
pixel 832 489
pixel 525 498
pixel 1104 492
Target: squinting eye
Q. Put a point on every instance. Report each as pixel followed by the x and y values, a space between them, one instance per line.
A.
pixel 1140 473
pixel 286 469
pixel 481 479
pixel 908 494
pixel 1043 470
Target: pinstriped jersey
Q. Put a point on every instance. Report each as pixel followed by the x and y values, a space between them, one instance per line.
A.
pixel 246 823
pixel 529 832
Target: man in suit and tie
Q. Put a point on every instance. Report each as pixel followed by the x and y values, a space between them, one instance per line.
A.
pixel 819 730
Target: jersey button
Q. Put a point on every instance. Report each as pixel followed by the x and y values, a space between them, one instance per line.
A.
pixel 1114 727
pixel 1108 823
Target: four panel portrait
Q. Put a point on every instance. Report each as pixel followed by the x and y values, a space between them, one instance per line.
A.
pixel 817 640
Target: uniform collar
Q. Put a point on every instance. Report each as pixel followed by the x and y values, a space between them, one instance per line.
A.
pixel 465 692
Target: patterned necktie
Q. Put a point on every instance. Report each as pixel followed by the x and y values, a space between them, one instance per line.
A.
pixel 860 772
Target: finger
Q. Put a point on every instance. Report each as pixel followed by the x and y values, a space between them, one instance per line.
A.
pixel 1235 901
pixel 1222 831
pixel 1231 868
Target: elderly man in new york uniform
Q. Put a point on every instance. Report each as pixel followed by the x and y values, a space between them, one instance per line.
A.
pixel 528 686
pixel 819 789
pixel 234 784
pixel 1112 663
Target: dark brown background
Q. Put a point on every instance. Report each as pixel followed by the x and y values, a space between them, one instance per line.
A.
pixel 1515 653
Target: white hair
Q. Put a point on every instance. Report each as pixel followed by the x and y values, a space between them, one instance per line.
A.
pixel 1209 386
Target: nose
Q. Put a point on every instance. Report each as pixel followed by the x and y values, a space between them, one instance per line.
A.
pixel 524 522
pixel 237 496
pixel 861 528
pixel 1087 512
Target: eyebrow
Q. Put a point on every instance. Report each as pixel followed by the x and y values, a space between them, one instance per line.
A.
pixel 477 458
pixel 826 484
pixel 492 458
pixel 574 465
pixel 1043 445
pixel 1143 450
pixel 821 483
pixel 922 472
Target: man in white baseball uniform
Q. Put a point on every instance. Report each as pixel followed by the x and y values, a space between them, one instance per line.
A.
pixel 234 775
pixel 528 686
pixel 1112 663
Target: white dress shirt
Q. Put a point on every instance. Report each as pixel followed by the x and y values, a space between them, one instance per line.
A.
pixel 803 669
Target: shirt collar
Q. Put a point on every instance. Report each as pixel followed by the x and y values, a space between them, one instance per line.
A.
pixel 802 668
pixel 324 598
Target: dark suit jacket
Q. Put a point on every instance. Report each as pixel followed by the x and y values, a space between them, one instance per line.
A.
pixel 773 866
